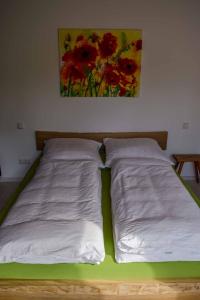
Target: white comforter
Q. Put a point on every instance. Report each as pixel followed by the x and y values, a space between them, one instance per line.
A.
pixel 57 218
pixel 154 216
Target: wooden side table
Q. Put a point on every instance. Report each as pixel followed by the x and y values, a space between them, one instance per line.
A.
pixel 193 158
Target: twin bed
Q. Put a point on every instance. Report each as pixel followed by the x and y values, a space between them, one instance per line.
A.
pixel 149 278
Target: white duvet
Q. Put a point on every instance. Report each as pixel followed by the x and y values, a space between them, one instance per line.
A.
pixel 57 218
pixel 154 216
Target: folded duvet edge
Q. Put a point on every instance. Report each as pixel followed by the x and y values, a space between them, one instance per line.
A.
pixel 52 242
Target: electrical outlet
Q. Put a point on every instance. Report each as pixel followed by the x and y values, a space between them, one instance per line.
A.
pixel 185 125
pixel 24 161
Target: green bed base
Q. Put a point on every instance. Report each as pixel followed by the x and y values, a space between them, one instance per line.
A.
pixel 109 269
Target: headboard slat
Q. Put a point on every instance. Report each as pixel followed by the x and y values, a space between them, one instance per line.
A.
pixel 159 136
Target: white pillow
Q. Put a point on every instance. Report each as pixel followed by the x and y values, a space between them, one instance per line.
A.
pixel 132 148
pixel 72 149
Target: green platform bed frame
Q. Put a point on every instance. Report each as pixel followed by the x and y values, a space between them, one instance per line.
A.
pixel 109 280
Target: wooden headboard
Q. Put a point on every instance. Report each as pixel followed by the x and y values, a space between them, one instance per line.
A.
pixel 159 136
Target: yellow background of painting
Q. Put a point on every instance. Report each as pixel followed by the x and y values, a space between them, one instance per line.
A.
pixel 131 36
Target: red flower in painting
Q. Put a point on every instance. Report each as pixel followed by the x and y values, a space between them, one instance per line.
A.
pixel 73 72
pixel 78 63
pixel 122 91
pixel 108 45
pixel 86 54
pixel 80 38
pixel 76 73
pixel 69 70
pixel 110 75
pixel 67 57
pixel 127 66
pixel 138 45
pixel 112 78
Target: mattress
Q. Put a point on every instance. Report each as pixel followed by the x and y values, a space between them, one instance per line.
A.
pixel 108 269
pixel 57 217
pixel 154 217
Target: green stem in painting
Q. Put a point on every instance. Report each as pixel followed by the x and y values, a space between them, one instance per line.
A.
pixel 102 77
pixel 69 87
pixel 89 87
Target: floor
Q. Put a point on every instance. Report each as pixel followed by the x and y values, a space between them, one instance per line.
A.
pixel 7 188
pixel 195 187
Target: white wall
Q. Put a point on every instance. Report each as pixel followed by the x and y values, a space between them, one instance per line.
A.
pixel 29 77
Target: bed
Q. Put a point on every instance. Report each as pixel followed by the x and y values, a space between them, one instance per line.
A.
pixel 109 280
pixel 154 217
pixel 57 217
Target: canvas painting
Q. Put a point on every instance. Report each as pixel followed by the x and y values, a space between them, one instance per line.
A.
pixel 100 62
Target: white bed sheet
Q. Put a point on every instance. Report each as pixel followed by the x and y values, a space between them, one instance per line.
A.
pixel 57 218
pixel 154 216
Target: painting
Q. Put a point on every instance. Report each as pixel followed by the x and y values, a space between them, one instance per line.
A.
pixel 100 62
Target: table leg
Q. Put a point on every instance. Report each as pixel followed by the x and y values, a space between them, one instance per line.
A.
pixel 176 165
pixel 198 166
pixel 180 167
pixel 196 169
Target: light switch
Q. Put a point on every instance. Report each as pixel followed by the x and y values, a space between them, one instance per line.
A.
pixel 20 125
